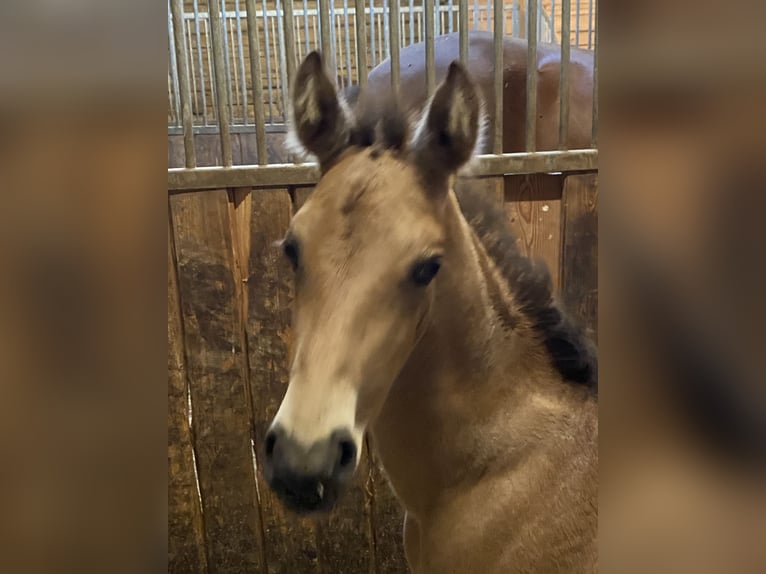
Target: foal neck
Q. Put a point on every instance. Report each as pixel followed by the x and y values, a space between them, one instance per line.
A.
pixel 476 389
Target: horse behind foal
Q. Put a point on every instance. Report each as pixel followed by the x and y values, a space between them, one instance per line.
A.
pixel 416 319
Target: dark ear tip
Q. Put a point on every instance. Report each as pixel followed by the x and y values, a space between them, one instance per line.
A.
pixel 457 71
pixel 313 61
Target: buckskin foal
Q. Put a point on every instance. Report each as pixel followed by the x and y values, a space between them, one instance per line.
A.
pixel 416 319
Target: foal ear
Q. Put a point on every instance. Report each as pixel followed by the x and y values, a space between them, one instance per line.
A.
pixel 447 134
pixel 319 122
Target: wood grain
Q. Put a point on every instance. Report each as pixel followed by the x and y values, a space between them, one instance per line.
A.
pixel 580 250
pixel 533 205
pixel 186 541
pixel 217 372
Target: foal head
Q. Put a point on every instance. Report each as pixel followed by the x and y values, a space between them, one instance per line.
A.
pixel 366 248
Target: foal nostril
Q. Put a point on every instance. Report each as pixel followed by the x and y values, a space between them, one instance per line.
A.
pixel 347 453
pixel 270 443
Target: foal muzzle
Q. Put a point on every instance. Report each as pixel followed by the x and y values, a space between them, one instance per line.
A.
pixel 309 479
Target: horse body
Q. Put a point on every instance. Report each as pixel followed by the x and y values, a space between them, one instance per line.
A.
pixel 480 63
pixel 478 393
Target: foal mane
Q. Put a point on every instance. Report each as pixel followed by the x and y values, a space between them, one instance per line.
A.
pixel 387 126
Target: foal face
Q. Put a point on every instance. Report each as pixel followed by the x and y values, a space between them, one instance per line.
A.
pixel 366 248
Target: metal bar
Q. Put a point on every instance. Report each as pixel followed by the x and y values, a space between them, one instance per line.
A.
pixel 281 59
pixel 499 16
pixel 192 73
pixel 476 14
pixel 463 27
pixel 337 31
pixel 577 25
pixel 387 27
pixel 177 9
pixel 333 47
pixel 553 22
pixel 235 86
pixel 203 178
pixel 280 128
pixel 219 69
pixel 566 12
pixel 361 44
pixel 590 24
pixel 372 33
pixel 393 29
pixel 241 52
pixel 324 30
pixel 429 25
pixel 267 45
pixel 174 68
pixel 289 23
pixel 200 64
pixel 451 13
pixel 412 23
pixel 515 18
pixel 257 80
pixel 594 127
pixel 539 19
pixel 225 43
pixel 531 134
pixel 348 41
pixel 379 24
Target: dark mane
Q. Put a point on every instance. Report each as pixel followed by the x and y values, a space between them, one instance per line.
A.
pixel 574 356
pixel 572 353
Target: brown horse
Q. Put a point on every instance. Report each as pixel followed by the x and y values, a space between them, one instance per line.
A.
pixel 416 319
pixel 481 65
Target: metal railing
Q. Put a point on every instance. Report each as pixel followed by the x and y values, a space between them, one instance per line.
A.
pixel 224 76
pixel 344 41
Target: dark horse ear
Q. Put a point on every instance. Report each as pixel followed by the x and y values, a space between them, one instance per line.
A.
pixel 447 134
pixel 319 122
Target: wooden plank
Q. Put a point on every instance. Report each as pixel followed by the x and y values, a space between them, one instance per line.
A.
pixel 291 540
pixel 217 372
pixel 533 205
pixel 186 542
pixel 580 250
pixel 347 537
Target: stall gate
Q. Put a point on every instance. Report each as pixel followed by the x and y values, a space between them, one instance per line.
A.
pixel 229 289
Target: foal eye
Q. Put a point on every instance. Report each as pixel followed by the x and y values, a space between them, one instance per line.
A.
pixel 290 247
pixel 424 271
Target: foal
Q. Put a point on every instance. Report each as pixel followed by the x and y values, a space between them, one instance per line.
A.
pixel 416 319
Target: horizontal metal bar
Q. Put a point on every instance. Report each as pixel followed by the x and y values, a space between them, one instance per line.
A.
pixel 280 128
pixel 282 175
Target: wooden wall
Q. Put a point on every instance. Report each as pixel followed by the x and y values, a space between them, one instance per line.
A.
pixel 229 295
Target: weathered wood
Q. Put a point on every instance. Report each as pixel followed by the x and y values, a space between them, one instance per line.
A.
pixel 186 542
pixel 580 249
pixel 346 536
pixel 533 205
pixel 291 541
pixel 217 372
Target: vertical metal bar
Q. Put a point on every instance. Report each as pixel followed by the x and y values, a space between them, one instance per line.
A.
pixel 499 16
pixel 267 45
pixel 531 138
pixel 315 29
pixel 347 31
pixel 553 21
pixel 393 30
pixel 515 18
pixel 463 27
pixel 210 73
pixel 412 22
pixel 476 14
pixel 451 12
pixel 333 46
pixel 225 43
pixel 387 26
pixel 594 128
pixel 289 22
pixel 280 60
pixel 200 64
pixel 590 24
pixel 253 42
pixel 577 25
pixel 306 25
pixel 192 72
pixel 361 43
pixel 429 24
pixel 241 52
pixel 566 12
pixel 233 62
pixel 490 7
pixel 372 34
pixel 177 11
pixel 219 69
pixel 539 19
pixel 326 42
pixel 174 69
pixel 379 19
